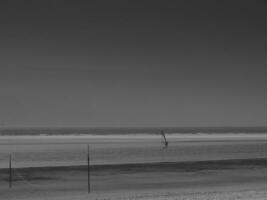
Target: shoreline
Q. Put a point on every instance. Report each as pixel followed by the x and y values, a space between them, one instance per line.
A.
pixel 185 166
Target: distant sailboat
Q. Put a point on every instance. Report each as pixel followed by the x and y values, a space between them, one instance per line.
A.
pixel 165 142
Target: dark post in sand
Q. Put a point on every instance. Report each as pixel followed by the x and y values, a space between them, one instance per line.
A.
pixel 10 172
pixel 88 169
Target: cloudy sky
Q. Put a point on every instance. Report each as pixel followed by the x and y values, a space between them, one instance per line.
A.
pixel 133 63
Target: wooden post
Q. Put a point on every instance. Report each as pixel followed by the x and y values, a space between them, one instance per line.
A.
pixel 10 172
pixel 88 169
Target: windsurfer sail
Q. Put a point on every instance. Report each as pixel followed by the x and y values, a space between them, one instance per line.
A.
pixel 165 142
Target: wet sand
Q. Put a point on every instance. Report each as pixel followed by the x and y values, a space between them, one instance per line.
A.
pixel 226 179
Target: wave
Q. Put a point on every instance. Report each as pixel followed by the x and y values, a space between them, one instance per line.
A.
pixel 112 131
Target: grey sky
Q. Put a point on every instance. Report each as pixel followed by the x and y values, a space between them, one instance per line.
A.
pixel 133 63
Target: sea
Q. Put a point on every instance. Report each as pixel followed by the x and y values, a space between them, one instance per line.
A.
pixel 71 146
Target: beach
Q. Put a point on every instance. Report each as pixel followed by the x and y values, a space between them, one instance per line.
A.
pixel 205 167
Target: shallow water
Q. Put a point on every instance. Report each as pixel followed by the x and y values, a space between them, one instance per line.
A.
pixel 29 152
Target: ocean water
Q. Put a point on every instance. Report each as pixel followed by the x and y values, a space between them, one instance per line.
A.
pixel 36 151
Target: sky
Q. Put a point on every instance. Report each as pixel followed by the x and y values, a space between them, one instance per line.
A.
pixel 133 63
